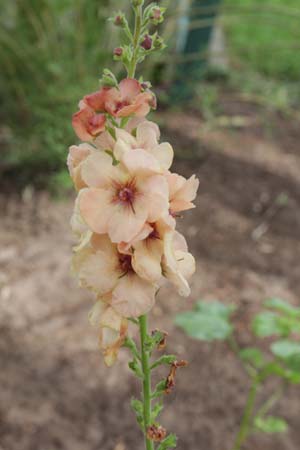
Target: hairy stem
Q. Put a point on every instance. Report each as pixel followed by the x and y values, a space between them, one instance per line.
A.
pixel 146 381
pixel 136 38
pixel 244 430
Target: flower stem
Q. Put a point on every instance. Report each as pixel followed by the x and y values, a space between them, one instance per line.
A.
pixel 247 416
pixel 146 381
pixel 138 11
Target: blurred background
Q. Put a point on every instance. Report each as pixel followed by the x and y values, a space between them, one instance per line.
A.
pixel 229 92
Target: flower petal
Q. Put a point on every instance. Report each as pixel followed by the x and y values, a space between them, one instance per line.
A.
pixel 95 208
pixel 140 162
pixel 129 88
pixel 146 259
pixel 98 170
pixel 164 154
pixel 133 296
pixel 147 135
pixel 155 189
pixel 125 223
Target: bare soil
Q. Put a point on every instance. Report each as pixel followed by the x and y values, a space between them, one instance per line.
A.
pixel 56 392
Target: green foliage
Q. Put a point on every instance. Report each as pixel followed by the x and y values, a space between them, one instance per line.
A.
pixel 264 35
pixel 270 424
pixel 51 53
pixel 169 442
pixel 208 321
pixel 253 356
pixel 138 408
pixel 157 409
pixel 164 359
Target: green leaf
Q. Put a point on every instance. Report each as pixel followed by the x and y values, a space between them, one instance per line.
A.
pixel 159 389
pixel 130 344
pixel 137 406
pixel 270 424
pixel 267 324
pixel 169 442
pixel 283 306
pixel 286 349
pixel 136 368
pixel 215 308
pixel 157 409
pixel 204 325
pixel 253 356
pixel 165 359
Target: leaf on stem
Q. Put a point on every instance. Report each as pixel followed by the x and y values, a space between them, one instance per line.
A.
pixel 169 442
pixel 270 424
pixel 208 322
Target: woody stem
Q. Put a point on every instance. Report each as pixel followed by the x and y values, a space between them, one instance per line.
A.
pixel 145 357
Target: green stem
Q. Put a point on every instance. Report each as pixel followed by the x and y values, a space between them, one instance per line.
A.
pixel 138 11
pixel 244 430
pixel 146 381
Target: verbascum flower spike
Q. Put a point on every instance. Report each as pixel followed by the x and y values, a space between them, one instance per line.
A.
pixel 124 219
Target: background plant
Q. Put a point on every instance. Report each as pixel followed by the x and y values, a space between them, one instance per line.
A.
pixel 278 326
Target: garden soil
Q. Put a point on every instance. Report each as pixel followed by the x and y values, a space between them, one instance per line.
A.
pixel 56 393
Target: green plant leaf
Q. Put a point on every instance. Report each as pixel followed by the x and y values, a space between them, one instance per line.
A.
pixel 283 306
pixel 253 356
pixel 169 442
pixel 286 349
pixel 270 424
pixel 164 359
pixel 210 321
pixel 157 409
pixel 269 323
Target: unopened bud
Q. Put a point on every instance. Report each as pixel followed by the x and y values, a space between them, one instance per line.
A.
pixel 147 42
pixel 156 15
pixel 118 51
pixel 119 20
pixel 156 433
pixel 146 85
pixel 159 43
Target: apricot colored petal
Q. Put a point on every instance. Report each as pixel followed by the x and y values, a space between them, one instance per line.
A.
pixel 105 141
pixel 140 162
pixel 97 271
pixel 129 88
pixel 164 154
pixel 155 189
pixel 146 259
pixel 133 296
pixel 96 100
pixel 147 135
pixel 125 247
pixel 98 170
pixel 95 208
pixel 126 222
pixel 79 123
pixel 126 137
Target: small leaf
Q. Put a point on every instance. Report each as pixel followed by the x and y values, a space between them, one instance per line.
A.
pixel 215 308
pixel 204 326
pixel 129 343
pixel 267 324
pixel 159 389
pixel 135 367
pixel 270 424
pixel 165 359
pixel 286 349
pixel 283 306
pixel 157 409
pixel 137 406
pixel 253 356
pixel 169 442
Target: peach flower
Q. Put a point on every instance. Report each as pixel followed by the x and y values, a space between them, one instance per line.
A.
pixel 178 264
pixel 77 154
pixel 124 101
pixel 182 192
pixel 120 199
pixel 112 329
pixel 87 124
pixel 101 268
pixel 145 145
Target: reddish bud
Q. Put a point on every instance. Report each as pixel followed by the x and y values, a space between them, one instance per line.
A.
pixel 156 14
pixel 147 42
pixel 119 20
pixel 118 51
pixel 156 433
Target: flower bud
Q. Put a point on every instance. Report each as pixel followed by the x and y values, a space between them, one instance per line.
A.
pixel 156 433
pixel 118 51
pixel 147 42
pixel 156 15
pixel 159 43
pixel 119 20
